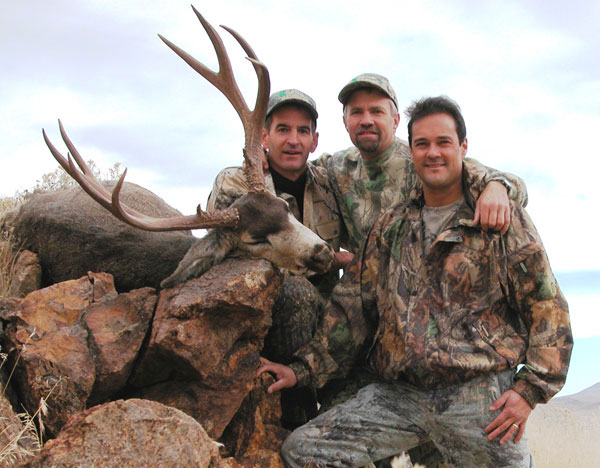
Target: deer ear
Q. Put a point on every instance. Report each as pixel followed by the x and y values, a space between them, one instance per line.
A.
pixel 201 256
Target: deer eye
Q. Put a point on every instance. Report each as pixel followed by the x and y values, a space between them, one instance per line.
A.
pixel 256 241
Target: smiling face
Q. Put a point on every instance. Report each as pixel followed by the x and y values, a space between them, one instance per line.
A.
pixel 371 121
pixel 290 139
pixel 438 158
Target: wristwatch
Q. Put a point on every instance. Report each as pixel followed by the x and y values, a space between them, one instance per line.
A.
pixel 504 182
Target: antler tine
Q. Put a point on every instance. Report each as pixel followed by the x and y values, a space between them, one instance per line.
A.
pixel 67 164
pixel 225 82
pixel 254 154
pixel 85 177
pixel 264 83
pixel 241 41
pixel 111 201
pixel 80 162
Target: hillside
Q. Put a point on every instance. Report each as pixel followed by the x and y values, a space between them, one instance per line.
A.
pixel 582 402
pixel 564 432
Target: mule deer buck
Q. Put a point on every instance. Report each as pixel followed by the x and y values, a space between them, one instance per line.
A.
pixel 259 224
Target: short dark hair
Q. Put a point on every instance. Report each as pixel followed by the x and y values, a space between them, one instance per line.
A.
pixel 436 105
pixel 269 119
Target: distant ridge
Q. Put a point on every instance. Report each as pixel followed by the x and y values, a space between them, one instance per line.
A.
pixel 586 400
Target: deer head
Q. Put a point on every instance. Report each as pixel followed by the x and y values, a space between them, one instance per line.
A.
pixel 258 224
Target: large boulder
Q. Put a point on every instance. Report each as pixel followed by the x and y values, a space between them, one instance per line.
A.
pixel 131 433
pixel 206 337
pixel 72 234
pixel 75 342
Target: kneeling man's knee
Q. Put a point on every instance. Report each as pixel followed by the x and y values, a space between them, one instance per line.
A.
pixel 291 450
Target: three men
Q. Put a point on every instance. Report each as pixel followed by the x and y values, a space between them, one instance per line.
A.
pixel 289 137
pixel 467 330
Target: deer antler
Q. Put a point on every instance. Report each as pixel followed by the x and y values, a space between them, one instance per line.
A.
pixel 85 178
pixel 253 122
pixel 225 82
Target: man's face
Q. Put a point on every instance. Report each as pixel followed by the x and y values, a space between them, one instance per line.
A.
pixel 438 157
pixel 290 140
pixel 370 121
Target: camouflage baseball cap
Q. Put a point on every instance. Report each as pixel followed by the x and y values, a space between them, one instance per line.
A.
pixel 368 80
pixel 292 96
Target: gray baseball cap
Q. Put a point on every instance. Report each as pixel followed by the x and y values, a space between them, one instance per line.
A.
pixel 292 96
pixel 368 80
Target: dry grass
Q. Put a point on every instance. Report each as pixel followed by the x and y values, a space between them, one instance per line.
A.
pixel 20 438
pixel 23 440
pixel 8 248
pixel 8 256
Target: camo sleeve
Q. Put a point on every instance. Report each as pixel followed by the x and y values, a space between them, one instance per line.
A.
pixel 230 184
pixel 349 321
pixel 482 175
pixel 543 310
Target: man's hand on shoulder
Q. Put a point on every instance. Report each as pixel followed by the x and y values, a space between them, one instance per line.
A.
pixel 284 375
pixel 492 210
pixel 512 419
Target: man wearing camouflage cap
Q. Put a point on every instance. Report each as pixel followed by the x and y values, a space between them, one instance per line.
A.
pixel 289 136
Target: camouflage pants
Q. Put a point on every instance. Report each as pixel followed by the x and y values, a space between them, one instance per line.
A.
pixel 297 311
pixel 340 390
pixel 384 419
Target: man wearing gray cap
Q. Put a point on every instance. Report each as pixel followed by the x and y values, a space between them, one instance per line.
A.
pixel 289 136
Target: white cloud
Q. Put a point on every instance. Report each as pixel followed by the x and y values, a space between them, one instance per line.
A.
pixel 585 315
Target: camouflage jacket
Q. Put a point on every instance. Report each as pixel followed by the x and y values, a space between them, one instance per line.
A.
pixel 321 214
pixel 364 189
pixel 475 303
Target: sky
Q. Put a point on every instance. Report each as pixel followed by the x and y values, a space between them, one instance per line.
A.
pixel 525 73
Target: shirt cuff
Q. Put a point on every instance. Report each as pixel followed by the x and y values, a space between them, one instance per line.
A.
pixel 529 393
pixel 302 374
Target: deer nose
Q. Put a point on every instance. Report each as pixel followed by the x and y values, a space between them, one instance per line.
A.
pixel 321 258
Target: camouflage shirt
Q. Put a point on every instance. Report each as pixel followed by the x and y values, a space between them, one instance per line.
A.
pixel 321 214
pixel 477 302
pixel 366 188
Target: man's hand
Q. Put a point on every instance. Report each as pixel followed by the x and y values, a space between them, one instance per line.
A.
pixel 511 420
pixel 342 259
pixel 492 210
pixel 284 375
